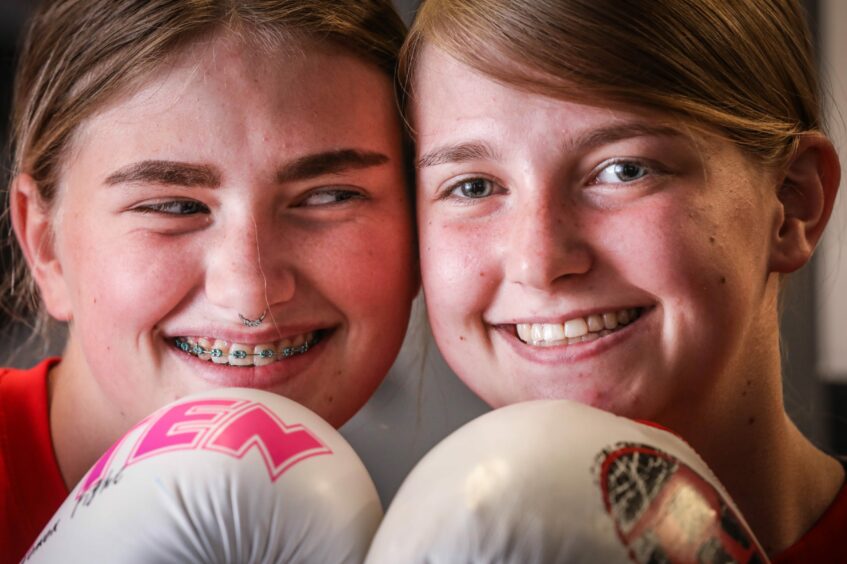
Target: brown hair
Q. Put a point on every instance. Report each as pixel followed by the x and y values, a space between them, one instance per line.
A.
pixel 79 54
pixel 743 67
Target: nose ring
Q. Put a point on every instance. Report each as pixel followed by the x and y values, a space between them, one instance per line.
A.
pixel 253 322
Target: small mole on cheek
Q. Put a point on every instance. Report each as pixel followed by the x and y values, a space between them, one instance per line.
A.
pixel 482 274
pixel 461 337
pixel 751 420
pixel 723 279
pixel 329 399
pixel 712 240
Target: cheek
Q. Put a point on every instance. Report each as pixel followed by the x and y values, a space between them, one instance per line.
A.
pixel 667 249
pixel 369 271
pixel 120 278
pixel 459 267
pixel 690 262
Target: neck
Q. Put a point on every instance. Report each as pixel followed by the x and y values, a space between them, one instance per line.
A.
pixel 81 422
pixel 779 480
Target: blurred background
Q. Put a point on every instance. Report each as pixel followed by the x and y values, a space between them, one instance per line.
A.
pixel 421 400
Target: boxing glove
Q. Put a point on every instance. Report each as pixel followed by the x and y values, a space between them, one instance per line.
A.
pixel 231 475
pixel 553 481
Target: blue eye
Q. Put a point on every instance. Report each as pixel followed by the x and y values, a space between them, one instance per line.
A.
pixel 174 207
pixel 473 188
pixel 620 172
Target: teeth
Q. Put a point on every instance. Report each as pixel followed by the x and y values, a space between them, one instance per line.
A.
pixel 577 330
pixel 284 345
pixel 537 332
pixel 237 354
pixel 220 352
pixel 555 332
pixel 263 354
pixel 595 323
pixel 206 345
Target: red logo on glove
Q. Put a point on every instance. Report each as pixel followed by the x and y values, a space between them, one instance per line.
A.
pixel 664 511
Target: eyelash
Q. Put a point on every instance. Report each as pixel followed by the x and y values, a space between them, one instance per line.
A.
pixel 450 192
pixel 647 169
pixel 161 208
pixel 341 196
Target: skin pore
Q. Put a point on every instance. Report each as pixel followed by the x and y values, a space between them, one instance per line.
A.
pixel 617 258
pixel 235 181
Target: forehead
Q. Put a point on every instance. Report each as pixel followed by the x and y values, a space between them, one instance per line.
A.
pixel 453 100
pixel 297 87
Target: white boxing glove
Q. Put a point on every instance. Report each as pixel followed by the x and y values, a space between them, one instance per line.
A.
pixel 232 475
pixel 554 481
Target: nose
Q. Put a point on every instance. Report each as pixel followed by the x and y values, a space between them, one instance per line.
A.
pixel 243 276
pixel 546 243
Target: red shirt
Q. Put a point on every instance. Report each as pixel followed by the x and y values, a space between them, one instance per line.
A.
pixel 826 541
pixel 31 487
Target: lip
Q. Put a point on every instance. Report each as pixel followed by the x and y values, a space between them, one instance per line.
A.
pixel 265 377
pixel 578 352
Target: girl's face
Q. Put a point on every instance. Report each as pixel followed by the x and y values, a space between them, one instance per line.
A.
pixel 237 183
pixel 593 253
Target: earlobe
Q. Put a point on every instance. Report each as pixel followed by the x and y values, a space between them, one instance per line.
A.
pixel 806 198
pixel 32 226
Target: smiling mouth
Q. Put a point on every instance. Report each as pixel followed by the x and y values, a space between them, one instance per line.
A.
pixel 225 353
pixel 578 329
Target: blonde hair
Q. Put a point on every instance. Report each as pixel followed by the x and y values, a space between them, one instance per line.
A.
pixel 79 54
pixel 743 67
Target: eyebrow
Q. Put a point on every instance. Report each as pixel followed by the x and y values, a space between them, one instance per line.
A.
pixel 479 150
pixel 459 153
pixel 605 135
pixel 174 173
pixel 329 162
pixel 171 173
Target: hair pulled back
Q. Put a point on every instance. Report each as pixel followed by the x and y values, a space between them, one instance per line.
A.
pixel 78 55
pixel 743 67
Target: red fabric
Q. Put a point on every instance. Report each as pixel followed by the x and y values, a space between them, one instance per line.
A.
pixel 31 487
pixel 826 541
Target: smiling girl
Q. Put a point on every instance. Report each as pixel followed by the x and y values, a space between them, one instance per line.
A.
pixel 209 194
pixel 610 194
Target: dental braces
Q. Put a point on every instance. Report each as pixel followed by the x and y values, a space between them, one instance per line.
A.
pixel 287 352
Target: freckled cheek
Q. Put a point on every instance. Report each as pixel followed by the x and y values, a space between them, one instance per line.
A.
pixel 659 253
pixel 458 268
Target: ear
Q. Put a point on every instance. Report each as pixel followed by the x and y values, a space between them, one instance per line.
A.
pixel 33 230
pixel 806 197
